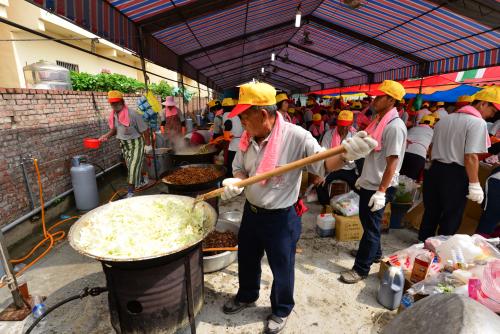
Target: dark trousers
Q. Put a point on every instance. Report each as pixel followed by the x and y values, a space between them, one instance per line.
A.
pixel 369 246
pixel 276 234
pixel 444 190
pixel 230 158
pixel 413 164
pixel 348 176
pixel 491 216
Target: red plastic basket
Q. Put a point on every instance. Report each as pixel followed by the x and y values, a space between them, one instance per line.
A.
pixel 91 143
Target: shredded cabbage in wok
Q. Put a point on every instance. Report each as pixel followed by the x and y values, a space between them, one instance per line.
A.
pixel 128 229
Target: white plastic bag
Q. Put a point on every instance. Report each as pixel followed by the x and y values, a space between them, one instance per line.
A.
pixel 459 242
pixel 347 204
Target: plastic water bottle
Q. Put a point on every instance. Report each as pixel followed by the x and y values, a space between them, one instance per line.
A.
pixel 407 300
pixel 325 225
pixel 39 309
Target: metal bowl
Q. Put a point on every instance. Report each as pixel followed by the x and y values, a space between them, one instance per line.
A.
pixel 232 216
pixel 220 261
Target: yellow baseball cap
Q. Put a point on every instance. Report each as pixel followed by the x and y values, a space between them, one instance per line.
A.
pixel 316 117
pixel 291 110
pixel 228 102
pixel 430 119
pixel 465 98
pixel 254 94
pixel 115 96
pixel 212 103
pixel 489 94
pixel 356 105
pixel 281 97
pixel 345 118
pixel 393 89
pixel 440 104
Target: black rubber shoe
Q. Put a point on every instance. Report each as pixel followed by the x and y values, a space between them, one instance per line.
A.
pixel 234 306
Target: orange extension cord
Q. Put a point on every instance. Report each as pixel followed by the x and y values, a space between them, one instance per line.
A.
pixel 48 236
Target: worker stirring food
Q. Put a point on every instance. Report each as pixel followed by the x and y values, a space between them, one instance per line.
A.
pixel 270 222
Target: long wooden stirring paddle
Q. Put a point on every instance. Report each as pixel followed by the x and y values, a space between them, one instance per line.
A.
pixel 275 172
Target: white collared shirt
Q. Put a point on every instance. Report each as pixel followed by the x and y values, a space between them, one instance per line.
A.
pixel 281 191
pixel 393 143
pixel 456 135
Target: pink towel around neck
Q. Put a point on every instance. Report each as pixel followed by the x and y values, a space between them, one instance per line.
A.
pixel 376 128
pixel 470 110
pixel 123 117
pixel 170 112
pixel 336 140
pixel 272 149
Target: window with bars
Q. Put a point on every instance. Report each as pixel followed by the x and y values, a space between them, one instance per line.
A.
pixel 69 66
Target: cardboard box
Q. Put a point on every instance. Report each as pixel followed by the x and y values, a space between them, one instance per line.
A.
pixel 348 228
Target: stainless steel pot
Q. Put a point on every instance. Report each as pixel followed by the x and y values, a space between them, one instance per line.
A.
pixel 208 226
pixel 220 261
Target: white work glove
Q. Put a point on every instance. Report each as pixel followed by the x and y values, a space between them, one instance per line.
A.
pixel 230 190
pixel 377 201
pixel 476 193
pixel 357 185
pixel 358 146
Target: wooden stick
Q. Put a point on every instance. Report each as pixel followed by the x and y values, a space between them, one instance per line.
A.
pixel 277 171
pixel 230 249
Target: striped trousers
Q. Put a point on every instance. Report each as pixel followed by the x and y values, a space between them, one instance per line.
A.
pixel 133 152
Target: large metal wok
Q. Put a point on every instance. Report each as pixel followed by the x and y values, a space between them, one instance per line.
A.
pixel 208 226
pixel 192 155
pixel 210 184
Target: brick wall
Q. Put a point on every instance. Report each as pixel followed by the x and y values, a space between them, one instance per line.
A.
pixel 50 125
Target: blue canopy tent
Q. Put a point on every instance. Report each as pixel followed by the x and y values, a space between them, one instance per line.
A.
pixel 450 95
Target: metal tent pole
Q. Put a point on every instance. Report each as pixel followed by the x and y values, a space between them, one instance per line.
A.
pixel 144 72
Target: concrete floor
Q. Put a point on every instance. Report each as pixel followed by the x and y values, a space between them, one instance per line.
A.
pixel 323 303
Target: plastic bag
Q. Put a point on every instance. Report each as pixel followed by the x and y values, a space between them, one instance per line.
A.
pixel 405 258
pixel 487 289
pixel 406 190
pixel 441 283
pixel 153 101
pixel 347 204
pixel 459 243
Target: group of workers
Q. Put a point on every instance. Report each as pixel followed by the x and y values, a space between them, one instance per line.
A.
pixel 264 130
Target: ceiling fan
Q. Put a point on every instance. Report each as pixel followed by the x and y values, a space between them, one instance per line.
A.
pixel 306 40
pixel 354 4
pixel 285 58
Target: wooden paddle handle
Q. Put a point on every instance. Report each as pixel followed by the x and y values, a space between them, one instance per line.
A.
pixel 277 171
pixel 220 249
